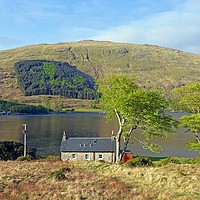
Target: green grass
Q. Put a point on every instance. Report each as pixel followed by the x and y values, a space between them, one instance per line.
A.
pixel 157 158
pixel 176 160
pixel 87 110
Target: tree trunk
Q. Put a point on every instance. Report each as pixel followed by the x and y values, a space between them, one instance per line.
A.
pixel 118 143
pixel 127 140
pixel 125 144
pixel 118 137
pixel 118 149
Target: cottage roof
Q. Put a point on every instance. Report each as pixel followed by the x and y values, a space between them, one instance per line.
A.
pixel 88 144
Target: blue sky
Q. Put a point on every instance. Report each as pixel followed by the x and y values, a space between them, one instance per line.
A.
pixel 169 23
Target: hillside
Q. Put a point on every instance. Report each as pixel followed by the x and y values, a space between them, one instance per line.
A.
pixel 154 66
pixel 97 180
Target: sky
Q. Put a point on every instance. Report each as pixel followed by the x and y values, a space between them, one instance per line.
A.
pixel 169 23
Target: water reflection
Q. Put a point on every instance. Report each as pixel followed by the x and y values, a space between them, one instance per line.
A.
pixel 45 132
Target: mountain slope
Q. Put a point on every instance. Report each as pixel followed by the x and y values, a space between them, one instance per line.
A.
pixel 154 66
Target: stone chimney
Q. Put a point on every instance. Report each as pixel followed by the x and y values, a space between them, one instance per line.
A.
pixel 64 138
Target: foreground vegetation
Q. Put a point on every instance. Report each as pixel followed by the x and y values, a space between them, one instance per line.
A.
pixel 54 179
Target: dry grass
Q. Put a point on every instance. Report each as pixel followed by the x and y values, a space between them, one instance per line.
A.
pixel 94 180
pixel 173 181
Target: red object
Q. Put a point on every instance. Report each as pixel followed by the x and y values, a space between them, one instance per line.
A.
pixel 126 157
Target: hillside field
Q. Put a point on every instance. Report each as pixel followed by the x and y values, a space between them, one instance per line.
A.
pixel 97 180
pixel 153 66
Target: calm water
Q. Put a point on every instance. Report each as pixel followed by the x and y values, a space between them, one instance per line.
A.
pixel 44 132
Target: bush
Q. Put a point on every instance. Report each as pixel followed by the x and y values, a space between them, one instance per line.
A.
pixel 139 162
pixel 176 160
pixel 70 110
pixel 57 175
pixel 53 158
pixel 10 150
pixel 170 160
pixel 66 169
pixel 196 160
pixel 22 158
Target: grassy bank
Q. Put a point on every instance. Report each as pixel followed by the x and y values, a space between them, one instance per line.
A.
pixel 97 180
pixel 88 110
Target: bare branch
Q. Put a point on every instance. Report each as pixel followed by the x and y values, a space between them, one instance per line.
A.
pixel 142 143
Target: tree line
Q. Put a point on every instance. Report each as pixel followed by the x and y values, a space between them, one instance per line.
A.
pixel 15 107
pixel 37 77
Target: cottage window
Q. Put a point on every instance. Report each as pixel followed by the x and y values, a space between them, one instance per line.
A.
pixel 73 156
pixel 87 157
pixel 100 156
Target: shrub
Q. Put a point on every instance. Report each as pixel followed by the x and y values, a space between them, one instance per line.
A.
pixel 139 162
pixel 70 110
pixel 22 158
pixel 10 150
pixel 172 160
pixel 52 158
pixel 169 160
pixel 196 160
pixel 176 160
pixel 57 175
pixel 102 161
pixel 66 169
pixel 186 160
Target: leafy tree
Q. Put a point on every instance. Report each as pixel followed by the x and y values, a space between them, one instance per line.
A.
pixel 187 98
pixel 192 122
pixel 135 108
pixel 49 69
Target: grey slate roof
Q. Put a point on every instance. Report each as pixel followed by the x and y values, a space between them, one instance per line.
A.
pixel 88 144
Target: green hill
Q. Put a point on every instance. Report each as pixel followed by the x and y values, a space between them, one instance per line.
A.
pixel 154 66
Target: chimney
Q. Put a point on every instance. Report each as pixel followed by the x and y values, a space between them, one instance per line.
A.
pixel 64 138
